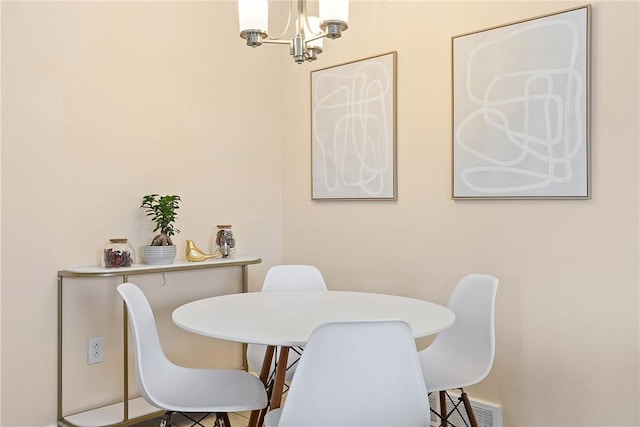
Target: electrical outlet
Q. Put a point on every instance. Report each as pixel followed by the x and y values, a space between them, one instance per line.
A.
pixel 95 350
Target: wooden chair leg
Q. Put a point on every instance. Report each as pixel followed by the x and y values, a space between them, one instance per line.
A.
pixel 274 393
pixel 278 384
pixel 255 420
pixel 469 409
pixel 443 407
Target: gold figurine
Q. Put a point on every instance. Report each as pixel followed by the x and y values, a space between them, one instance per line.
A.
pixel 195 254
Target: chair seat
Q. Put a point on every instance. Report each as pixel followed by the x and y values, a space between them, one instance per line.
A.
pixel 184 389
pixel 462 372
pixel 439 380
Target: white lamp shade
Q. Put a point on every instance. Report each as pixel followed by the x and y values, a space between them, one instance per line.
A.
pixel 314 24
pixel 334 10
pixel 253 15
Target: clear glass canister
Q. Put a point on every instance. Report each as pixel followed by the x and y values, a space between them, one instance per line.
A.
pixel 225 244
pixel 118 253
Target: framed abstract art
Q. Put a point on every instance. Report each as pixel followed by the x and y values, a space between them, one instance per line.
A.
pixel 353 130
pixel 520 127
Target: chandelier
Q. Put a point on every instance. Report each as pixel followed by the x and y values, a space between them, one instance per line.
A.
pixel 309 30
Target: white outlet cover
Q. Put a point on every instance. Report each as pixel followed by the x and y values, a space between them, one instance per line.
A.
pixel 95 350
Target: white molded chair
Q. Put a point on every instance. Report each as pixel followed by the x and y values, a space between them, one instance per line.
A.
pixel 180 389
pixel 356 374
pixel 285 278
pixel 463 354
pixel 293 277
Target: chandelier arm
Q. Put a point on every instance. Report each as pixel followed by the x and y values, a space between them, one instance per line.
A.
pixel 272 41
pixel 316 36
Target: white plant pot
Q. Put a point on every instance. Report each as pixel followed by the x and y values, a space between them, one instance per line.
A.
pixel 159 255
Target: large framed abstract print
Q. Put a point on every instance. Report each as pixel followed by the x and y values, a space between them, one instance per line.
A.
pixel 353 130
pixel 520 126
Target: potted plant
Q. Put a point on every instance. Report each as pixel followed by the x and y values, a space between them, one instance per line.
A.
pixel 162 210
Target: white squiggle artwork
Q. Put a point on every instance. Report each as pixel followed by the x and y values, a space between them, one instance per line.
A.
pixel 353 130
pixel 520 109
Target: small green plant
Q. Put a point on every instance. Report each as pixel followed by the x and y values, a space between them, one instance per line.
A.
pixel 162 210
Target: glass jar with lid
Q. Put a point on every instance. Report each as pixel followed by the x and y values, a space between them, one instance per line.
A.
pixel 118 253
pixel 225 243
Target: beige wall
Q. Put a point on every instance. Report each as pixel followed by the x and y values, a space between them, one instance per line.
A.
pixel 96 97
pixel 567 309
pixel 104 102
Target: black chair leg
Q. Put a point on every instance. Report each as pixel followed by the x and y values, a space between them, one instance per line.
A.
pixel 222 420
pixel 165 421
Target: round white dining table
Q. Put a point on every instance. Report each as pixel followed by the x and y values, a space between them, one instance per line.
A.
pixel 287 318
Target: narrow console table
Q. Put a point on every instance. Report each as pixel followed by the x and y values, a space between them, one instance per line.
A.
pixel 129 411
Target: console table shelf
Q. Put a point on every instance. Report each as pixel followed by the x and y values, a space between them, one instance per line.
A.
pixel 129 411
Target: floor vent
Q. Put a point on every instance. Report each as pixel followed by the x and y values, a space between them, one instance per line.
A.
pixel 487 414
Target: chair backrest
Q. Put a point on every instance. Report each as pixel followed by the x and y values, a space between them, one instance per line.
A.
pixel 358 374
pixel 472 336
pixel 151 363
pixel 293 277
